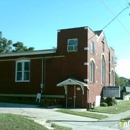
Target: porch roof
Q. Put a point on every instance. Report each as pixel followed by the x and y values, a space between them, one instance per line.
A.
pixel 71 81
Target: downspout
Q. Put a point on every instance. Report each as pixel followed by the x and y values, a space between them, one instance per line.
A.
pixel 88 99
pixel 41 85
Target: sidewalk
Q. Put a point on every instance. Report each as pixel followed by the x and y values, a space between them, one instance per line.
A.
pixel 75 122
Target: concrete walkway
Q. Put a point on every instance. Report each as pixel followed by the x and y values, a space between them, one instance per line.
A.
pixel 75 122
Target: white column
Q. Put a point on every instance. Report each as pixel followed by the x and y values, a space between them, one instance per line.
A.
pixel 74 96
pixel 66 93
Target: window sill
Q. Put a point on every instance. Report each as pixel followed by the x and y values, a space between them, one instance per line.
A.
pixel 22 81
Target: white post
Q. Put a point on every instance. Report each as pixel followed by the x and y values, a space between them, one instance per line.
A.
pixel 65 87
pixel 74 96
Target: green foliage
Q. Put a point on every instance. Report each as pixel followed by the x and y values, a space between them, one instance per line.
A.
pixel 19 47
pixel 7 46
pixel 121 107
pixel 120 81
pixel 111 101
pixel 104 104
pixel 17 122
pixel 57 127
pixel 84 114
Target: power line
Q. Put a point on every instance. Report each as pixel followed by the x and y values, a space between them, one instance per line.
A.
pixel 115 17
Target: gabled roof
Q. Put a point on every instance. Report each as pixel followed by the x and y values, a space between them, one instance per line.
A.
pixel 50 51
pixel 98 32
pixel 71 81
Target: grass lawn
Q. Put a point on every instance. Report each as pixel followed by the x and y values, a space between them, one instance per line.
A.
pixel 84 114
pixel 120 107
pixel 57 127
pixel 17 122
pixel 127 118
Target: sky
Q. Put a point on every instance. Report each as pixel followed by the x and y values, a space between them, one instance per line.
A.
pixel 35 23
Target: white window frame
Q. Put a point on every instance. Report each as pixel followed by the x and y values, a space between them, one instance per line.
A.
pixel 92 71
pixel 92 47
pixel 22 71
pixel 73 45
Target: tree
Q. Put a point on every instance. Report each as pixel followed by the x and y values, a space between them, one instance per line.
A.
pixel 119 81
pixel 7 46
pixel 19 47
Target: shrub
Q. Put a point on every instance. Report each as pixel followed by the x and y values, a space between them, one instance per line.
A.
pixel 111 101
pixel 104 104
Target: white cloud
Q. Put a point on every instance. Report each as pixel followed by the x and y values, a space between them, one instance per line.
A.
pixel 123 68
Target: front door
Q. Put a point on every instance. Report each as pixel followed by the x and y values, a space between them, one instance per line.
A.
pixel 70 96
pixel 79 99
pixel 74 98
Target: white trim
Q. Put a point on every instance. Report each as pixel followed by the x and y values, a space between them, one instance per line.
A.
pixel 92 59
pixel 86 63
pixel 70 81
pixel 86 48
pixel 86 80
pixel 28 53
pixel 22 71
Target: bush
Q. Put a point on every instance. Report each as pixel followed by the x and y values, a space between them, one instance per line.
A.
pixel 111 101
pixel 104 104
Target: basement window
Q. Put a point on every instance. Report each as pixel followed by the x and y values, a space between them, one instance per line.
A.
pixel 22 71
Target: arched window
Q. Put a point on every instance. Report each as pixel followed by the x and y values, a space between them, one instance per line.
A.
pixel 92 72
pixel 103 70
pixel 22 71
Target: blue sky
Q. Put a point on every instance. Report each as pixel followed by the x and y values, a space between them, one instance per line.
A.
pixel 35 22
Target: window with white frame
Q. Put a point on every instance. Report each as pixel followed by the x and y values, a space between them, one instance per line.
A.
pixel 72 45
pixel 92 72
pixel 22 71
pixel 92 47
pixel 103 70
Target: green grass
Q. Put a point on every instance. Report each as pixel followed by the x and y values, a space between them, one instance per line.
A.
pixel 120 107
pixel 126 118
pixel 57 127
pixel 84 114
pixel 17 122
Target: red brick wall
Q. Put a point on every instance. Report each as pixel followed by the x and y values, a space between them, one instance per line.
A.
pixel 7 78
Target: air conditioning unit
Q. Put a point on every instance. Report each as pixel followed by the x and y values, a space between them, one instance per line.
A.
pixel 72 48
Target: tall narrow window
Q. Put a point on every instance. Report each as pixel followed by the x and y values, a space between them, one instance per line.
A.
pixel 103 70
pixel 22 71
pixel 112 78
pixel 92 47
pixel 92 72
